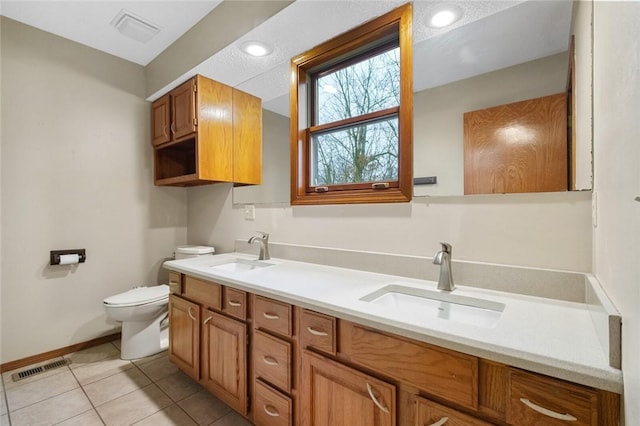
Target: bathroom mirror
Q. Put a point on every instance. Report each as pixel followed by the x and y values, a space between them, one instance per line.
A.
pixel 519 52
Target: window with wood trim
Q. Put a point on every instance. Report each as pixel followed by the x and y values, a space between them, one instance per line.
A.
pixel 351 116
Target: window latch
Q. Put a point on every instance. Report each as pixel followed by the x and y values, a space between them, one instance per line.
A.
pixel 321 189
pixel 380 185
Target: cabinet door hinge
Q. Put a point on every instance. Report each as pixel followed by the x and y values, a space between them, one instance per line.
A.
pixel 195 86
pixel 195 121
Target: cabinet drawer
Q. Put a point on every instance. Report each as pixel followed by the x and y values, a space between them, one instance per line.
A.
pixel 235 303
pixel 203 292
pixel 429 413
pixel 272 315
pixel 318 331
pixel 175 282
pixel 272 360
pixel 271 408
pixel 538 400
pixel 447 374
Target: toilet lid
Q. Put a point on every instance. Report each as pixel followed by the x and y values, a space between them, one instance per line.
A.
pixel 139 296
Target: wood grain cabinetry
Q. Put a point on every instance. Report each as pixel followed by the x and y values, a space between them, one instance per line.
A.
pixel 437 371
pixel 335 394
pixel 307 368
pixel 208 340
pixel 318 331
pixel 184 335
pixel 517 147
pixel 224 359
pixel 536 400
pixel 273 358
pixel 204 132
pixel 429 413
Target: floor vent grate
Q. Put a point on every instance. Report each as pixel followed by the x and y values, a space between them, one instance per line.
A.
pixel 25 374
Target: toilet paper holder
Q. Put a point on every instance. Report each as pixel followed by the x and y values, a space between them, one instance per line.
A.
pixel 54 257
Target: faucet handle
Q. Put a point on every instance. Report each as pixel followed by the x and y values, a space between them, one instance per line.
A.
pixel 265 235
pixel 446 247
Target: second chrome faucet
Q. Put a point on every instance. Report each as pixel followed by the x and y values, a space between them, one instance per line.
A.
pixel 263 239
pixel 443 258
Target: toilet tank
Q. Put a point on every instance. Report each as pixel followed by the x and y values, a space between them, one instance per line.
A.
pixel 184 252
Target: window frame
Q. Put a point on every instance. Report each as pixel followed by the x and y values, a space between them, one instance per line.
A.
pixel 340 50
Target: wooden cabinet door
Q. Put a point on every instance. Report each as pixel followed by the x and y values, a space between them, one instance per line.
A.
pixel 336 395
pixel 184 335
pixel 247 138
pixel 517 147
pixel 183 109
pixel 161 121
pixel 224 359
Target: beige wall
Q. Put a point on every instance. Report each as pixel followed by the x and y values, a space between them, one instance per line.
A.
pixel 549 230
pixel 76 173
pixel 617 177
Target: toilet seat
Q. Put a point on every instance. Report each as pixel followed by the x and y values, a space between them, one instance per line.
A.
pixel 139 296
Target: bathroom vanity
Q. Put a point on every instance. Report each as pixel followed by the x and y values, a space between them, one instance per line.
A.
pixel 293 343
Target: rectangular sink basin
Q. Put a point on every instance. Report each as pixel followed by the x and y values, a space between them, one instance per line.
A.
pixel 241 265
pixel 428 303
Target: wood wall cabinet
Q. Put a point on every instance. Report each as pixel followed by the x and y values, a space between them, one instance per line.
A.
pixel 204 132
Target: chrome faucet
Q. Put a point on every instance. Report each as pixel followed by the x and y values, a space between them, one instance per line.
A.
pixel 263 239
pixel 443 258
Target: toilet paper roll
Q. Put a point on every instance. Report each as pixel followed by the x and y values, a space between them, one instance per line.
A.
pixel 69 259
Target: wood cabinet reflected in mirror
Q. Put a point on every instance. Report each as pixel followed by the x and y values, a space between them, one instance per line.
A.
pixel 517 147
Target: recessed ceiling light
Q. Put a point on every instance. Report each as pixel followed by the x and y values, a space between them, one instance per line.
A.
pixel 444 16
pixel 256 48
pixel 134 26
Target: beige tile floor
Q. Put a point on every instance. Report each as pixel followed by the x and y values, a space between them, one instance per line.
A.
pixel 98 388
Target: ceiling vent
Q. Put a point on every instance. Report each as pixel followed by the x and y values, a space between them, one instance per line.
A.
pixel 134 26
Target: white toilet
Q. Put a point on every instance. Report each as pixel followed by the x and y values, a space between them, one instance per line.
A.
pixel 144 313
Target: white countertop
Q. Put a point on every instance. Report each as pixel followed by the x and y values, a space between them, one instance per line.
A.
pixel 551 337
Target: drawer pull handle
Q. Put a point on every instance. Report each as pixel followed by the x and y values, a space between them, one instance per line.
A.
pixel 270 316
pixel 190 314
pixel 440 422
pixel 206 321
pixel 271 411
pixel 234 303
pixel 375 400
pixel 316 332
pixel 269 360
pixel 546 412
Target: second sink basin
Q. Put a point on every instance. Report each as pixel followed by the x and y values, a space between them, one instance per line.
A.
pixel 448 306
pixel 241 265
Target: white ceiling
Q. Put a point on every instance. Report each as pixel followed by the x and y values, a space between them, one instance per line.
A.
pixel 88 22
pixel 492 34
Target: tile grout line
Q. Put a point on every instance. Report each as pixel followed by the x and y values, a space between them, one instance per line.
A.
pixel 88 399
pixel 6 400
pixel 163 391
